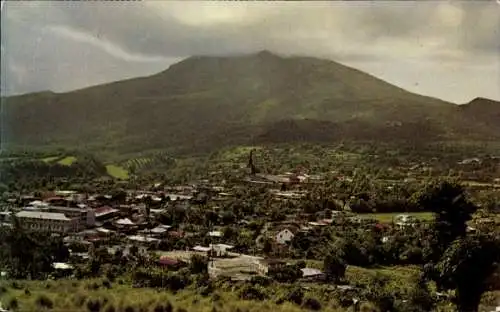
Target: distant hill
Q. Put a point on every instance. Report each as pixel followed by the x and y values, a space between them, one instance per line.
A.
pixel 203 103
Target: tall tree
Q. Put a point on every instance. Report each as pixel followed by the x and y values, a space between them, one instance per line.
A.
pixel 465 268
pixel 453 209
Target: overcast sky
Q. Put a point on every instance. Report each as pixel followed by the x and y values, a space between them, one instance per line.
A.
pixel 450 50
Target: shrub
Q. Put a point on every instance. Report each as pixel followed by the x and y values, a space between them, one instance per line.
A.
pixel 27 292
pixel 296 295
pixel 79 299
pixel 250 292
pixel 12 304
pixel 92 286
pixel 44 302
pixel 181 310
pixel 368 307
pixel 110 308
pixel 169 307
pixel 16 285
pixel 3 290
pixel 106 283
pixel 312 304
pixel 205 291
pixel 261 280
pixel 159 308
pixel 94 305
pixel 198 264
pixel 129 309
pixel 216 297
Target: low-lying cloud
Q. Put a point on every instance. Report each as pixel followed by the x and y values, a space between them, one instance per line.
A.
pixel 67 45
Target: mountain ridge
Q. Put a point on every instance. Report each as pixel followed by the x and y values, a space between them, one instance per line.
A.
pixel 207 102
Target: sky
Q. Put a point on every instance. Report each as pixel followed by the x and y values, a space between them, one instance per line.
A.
pixel 448 50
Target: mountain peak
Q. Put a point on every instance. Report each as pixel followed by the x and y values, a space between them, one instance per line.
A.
pixel 266 53
pixel 482 100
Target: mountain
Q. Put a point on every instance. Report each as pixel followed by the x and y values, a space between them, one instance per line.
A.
pixel 206 102
pixel 484 114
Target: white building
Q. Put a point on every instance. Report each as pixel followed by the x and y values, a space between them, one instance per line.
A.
pixel 47 221
pixel 284 236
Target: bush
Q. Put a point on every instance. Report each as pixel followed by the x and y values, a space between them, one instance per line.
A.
pixel 216 297
pixel 110 308
pixel 250 292
pixel 198 264
pixel 79 299
pixel 129 309
pixel 27 292
pixel 3 290
pixel 312 304
pixel 12 304
pixel 44 302
pixel 261 280
pixel 296 295
pixel 159 308
pixel 169 307
pixel 368 307
pixel 92 286
pixel 94 305
pixel 106 283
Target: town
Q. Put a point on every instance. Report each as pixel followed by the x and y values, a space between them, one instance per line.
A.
pixel 274 226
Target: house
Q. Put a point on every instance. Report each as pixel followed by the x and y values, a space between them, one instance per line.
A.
pixel 404 220
pixel 215 234
pixel 284 236
pixel 266 265
pixel 62 269
pixel 125 222
pixel 105 213
pixel 201 248
pixel 85 217
pixel 309 274
pixel 47 221
pixel 158 231
pixel 142 239
pixel 220 250
pixel 168 262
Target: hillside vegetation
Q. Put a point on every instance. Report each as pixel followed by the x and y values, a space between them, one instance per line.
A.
pixel 204 103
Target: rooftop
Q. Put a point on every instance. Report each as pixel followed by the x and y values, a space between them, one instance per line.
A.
pixel 42 215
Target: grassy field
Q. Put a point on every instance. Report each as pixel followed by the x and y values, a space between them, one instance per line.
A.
pixel 388 217
pixel 67 161
pixel 79 296
pixel 117 172
pixel 50 159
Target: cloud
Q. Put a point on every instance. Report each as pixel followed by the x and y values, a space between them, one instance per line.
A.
pixel 117 40
pixel 103 44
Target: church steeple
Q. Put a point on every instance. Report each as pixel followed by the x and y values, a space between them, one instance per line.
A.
pixel 253 170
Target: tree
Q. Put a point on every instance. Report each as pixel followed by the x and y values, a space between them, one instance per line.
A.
pixel 286 274
pixel 420 298
pixel 334 267
pixel 452 208
pixel 465 267
pixel 198 264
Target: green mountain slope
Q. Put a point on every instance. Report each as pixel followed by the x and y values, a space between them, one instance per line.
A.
pixel 203 103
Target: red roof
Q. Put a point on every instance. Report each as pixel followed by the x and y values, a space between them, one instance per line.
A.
pixel 176 233
pixel 53 198
pixel 104 210
pixel 167 261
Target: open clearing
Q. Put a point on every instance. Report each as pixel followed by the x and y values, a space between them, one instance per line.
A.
pixel 67 161
pixel 389 217
pixel 117 172
pixel 50 159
